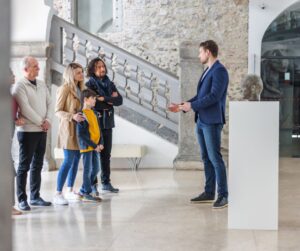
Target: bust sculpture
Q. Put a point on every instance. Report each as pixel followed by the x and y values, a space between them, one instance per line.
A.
pixel 252 87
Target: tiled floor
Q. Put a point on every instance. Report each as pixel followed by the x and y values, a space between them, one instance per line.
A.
pixel 152 212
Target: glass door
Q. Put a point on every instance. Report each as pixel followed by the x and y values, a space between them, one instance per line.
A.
pixel 281 78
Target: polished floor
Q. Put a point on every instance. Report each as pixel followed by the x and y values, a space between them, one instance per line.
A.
pixel 152 213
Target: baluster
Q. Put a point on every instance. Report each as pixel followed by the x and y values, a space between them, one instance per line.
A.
pixel 114 64
pixel 133 87
pixel 167 95
pixel 127 70
pixel 102 53
pixel 154 87
pixel 92 51
pixel 81 49
pixel 69 54
pixel 141 81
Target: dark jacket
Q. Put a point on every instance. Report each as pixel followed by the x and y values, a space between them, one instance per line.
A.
pixel 210 102
pixel 104 88
pixel 83 134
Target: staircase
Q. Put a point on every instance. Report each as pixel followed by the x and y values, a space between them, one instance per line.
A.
pixel 146 89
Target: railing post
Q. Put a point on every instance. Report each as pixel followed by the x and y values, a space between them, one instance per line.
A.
pixel 56 38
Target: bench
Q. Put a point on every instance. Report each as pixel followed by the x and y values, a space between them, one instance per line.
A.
pixel 134 153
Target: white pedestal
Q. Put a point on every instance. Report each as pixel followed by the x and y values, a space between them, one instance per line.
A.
pixel 253 165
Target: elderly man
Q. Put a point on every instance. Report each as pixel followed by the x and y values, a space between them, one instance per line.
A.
pixel 34 101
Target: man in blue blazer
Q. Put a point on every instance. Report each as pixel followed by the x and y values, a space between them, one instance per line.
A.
pixel 209 107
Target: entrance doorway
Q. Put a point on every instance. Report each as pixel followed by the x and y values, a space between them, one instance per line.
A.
pixel 280 72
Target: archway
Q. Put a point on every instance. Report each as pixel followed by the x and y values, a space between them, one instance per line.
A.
pixel 280 71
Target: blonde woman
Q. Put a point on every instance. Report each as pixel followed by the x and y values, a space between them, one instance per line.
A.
pixel 67 109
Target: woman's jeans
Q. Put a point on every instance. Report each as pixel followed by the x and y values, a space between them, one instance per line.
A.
pixel 209 138
pixel 68 169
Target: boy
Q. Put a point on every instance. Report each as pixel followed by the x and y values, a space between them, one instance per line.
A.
pixel 90 144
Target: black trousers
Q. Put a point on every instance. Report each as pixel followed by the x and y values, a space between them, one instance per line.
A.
pixel 32 151
pixel 105 155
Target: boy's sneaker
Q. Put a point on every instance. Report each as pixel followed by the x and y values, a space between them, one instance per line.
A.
pixel 72 196
pixel 221 202
pixel 95 192
pixel 59 200
pixel 203 198
pixel 109 188
pixel 90 198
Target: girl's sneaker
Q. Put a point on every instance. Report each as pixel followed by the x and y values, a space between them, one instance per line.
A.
pixel 60 200
pixel 72 196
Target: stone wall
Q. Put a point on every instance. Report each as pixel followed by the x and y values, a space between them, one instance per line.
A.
pixel 154 30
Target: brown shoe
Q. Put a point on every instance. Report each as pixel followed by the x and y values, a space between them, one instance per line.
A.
pixel 16 212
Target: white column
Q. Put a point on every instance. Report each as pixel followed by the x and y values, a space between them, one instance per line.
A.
pixel 30 20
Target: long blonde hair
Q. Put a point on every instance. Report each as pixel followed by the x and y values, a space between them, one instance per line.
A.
pixel 68 76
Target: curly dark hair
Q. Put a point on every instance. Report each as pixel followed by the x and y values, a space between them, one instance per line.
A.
pixel 90 71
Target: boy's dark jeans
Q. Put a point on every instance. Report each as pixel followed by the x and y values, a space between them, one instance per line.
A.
pixel 91 166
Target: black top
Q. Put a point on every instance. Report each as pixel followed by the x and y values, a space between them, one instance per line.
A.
pixel 104 88
pixel 33 82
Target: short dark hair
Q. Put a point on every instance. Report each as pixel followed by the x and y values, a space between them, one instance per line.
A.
pixel 211 46
pixel 91 66
pixel 87 93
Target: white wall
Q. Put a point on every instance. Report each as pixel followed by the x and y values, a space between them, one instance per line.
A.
pixel 259 21
pixel 160 153
pixel 29 20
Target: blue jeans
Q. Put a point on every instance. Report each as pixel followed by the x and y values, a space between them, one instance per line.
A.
pixel 91 167
pixel 209 138
pixel 68 168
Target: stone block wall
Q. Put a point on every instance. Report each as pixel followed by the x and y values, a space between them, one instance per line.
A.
pixel 154 30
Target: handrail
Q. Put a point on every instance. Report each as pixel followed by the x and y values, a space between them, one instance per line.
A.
pixel 146 88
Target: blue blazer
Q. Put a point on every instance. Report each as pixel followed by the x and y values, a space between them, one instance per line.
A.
pixel 210 102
